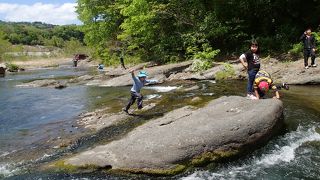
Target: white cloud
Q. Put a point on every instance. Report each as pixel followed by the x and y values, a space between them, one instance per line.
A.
pixel 48 13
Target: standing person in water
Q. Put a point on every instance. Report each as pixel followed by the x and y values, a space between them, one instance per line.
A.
pixel 138 83
pixel 309 50
pixel 251 62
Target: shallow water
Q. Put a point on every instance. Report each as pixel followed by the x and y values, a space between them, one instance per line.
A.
pixel 32 116
pixel 24 111
pixel 32 119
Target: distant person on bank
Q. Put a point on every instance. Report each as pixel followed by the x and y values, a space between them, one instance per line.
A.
pixel 309 50
pixel 138 83
pixel 251 62
pixel 122 62
pixel 100 66
pixel 263 83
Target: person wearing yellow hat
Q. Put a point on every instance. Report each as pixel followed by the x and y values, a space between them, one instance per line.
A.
pixel 138 83
pixel 262 84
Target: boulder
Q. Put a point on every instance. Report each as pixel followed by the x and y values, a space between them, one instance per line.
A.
pixel 196 99
pixel 187 136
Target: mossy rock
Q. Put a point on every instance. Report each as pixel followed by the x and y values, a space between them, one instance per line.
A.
pixel 214 156
pixel 62 166
pixel 12 67
pixel 315 144
pixel 228 72
pixel 163 172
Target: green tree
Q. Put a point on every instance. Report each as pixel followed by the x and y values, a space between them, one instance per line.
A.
pixel 73 46
pixel 55 42
pixel 171 30
pixel 4 46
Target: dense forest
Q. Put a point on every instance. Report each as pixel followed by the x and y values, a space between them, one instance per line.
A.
pixel 174 30
pixel 22 37
pixel 38 33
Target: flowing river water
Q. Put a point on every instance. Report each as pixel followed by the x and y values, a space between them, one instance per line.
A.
pixel 34 120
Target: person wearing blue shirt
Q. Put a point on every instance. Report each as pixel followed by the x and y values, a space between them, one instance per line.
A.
pixel 138 83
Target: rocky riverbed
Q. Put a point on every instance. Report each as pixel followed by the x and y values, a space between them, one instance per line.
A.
pixel 290 72
pixel 224 128
pixel 188 136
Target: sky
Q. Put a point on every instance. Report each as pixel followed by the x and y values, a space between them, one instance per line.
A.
pixel 58 12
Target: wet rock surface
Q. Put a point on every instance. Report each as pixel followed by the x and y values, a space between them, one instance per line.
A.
pixel 159 73
pixel 227 124
pixel 41 83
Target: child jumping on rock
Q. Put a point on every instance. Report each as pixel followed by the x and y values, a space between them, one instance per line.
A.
pixel 138 83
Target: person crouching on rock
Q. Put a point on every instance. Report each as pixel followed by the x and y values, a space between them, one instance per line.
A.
pixel 138 83
pixel 252 65
pixel 263 82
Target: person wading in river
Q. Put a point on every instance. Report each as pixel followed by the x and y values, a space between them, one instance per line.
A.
pixel 138 83
pixel 251 62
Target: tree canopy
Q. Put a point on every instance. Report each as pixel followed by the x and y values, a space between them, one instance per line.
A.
pixel 38 33
pixel 173 30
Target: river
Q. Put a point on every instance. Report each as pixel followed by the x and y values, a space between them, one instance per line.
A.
pixel 32 120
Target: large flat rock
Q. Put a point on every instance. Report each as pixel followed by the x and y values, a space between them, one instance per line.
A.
pixel 227 124
pixel 159 73
pixel 291 73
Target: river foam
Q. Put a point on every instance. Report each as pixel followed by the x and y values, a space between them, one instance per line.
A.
pixel 287 153
pixel 152 96
pixel 280 153
pixel 6 170
pixel 162 88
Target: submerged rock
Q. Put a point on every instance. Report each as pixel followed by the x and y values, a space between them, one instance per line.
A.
pixel 188 136
pixel 41 83
pixel 196 99
pixel 45 83
pixel 60 86
pixel 196 87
